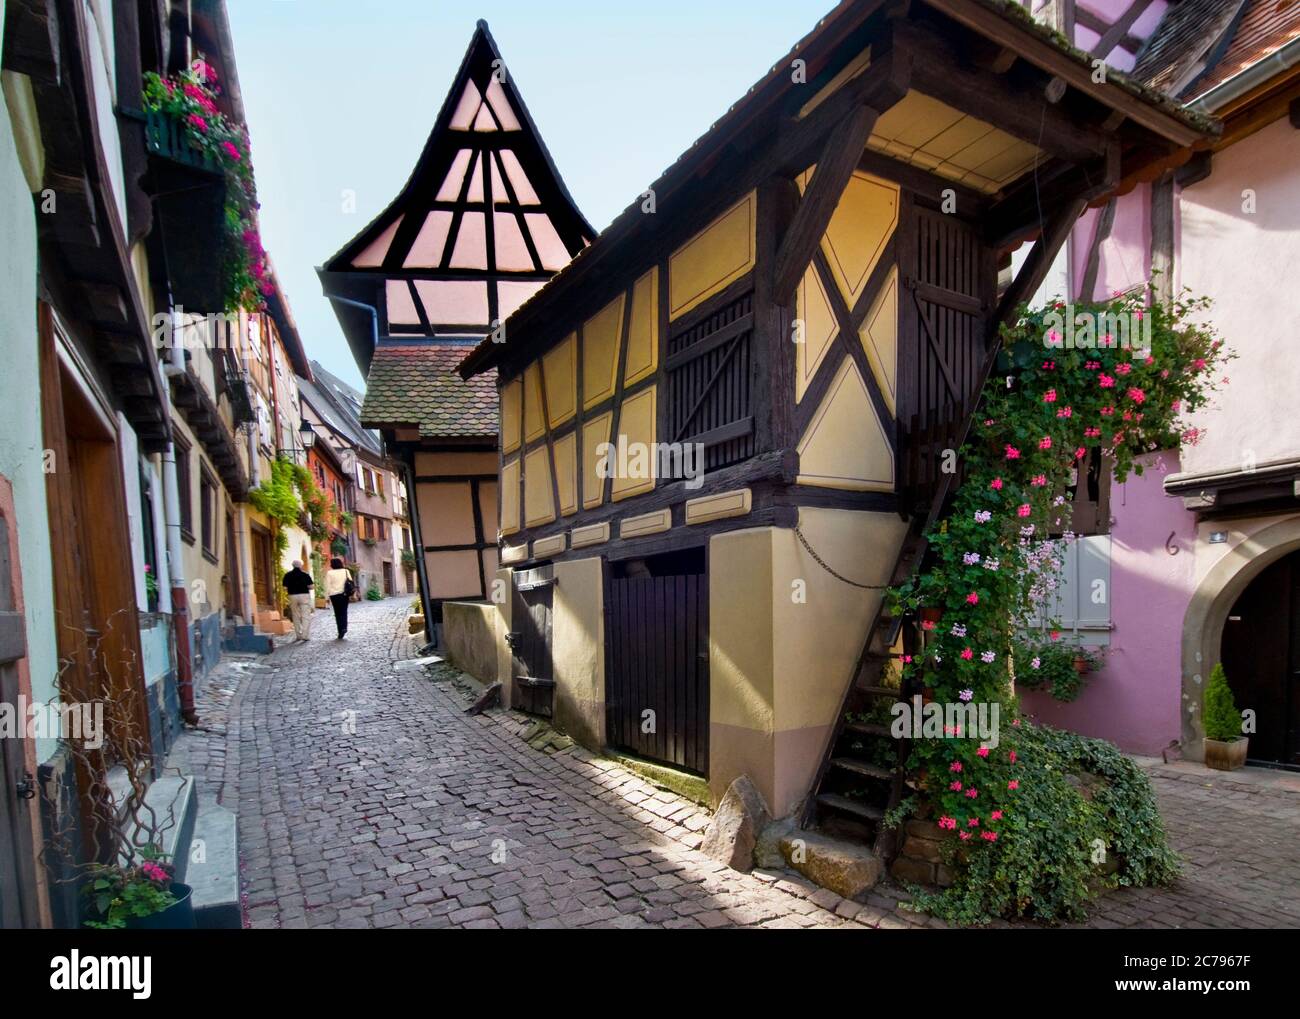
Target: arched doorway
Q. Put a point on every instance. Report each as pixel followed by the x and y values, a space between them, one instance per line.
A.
pixel 1261 658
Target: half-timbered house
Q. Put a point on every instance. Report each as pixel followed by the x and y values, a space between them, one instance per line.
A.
pixel 482 223
pixel 813 305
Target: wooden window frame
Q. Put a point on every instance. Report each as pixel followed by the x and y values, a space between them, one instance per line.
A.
pixel 208 488
pixel 184 488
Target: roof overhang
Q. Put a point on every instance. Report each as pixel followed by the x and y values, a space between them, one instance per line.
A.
pixel 1241 489
pixel 984 58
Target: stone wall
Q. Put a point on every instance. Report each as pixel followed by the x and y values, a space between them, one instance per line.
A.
pixel 470 634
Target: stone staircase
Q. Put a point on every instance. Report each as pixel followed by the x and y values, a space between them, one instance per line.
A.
pixel 270 621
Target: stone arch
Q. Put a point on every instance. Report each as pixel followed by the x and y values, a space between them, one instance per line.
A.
pixel 1208 610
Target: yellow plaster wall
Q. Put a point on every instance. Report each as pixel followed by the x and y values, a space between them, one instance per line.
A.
pixel 637 422
pixel 595 432
pixel 845 445
pixel 879 337
pixel 446 513
pixel 578 650
pixel 539 497
pixel 643 329
pixel 714 258
pixel 534 419
pixel 512 394
pixel 864 219
pixel 600 343
pixel 784 636
pixel 566 472
pixel 818 328
pixel 455 463
pixel 560 371
pixel 510 496
pixel 452 574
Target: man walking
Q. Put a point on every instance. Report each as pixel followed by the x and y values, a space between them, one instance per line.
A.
pixel 301 587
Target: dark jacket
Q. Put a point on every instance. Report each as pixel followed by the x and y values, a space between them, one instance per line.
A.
pixel 299 582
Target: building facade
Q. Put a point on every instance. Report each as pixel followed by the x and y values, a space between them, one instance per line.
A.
pixel 484 221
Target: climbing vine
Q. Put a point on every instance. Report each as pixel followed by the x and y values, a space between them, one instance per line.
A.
pixel 1046 408
pixel 291 496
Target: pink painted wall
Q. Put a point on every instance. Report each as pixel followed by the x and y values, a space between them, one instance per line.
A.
pixel 1134 700
pixel 1125 255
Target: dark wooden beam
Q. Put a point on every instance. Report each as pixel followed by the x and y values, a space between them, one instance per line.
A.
pixel 1114 35
pixel 940 70
pixel 1021 214
pixel 1035 269
pixel 1105 223
pixel 838 160
pixel 1293 113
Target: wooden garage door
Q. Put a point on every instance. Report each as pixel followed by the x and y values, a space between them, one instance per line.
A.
pixel 657 668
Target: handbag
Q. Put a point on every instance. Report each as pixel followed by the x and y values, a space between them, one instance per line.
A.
pixel 349 588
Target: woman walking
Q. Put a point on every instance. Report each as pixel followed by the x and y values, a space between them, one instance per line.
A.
pixel 339 588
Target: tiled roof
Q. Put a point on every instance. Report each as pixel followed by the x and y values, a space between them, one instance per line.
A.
pixel 1183 42
pixel 418 385
pixel 1266 26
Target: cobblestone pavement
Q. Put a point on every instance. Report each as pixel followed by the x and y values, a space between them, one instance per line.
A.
pixel 367 798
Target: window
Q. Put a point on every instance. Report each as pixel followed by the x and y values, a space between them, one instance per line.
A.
pixel 184 490
pixel 207 515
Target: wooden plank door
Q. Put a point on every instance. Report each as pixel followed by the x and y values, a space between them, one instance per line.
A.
pixel 657 668
pixel 530 641
pixel 262 568
pixel 1261 659
pixel 18 895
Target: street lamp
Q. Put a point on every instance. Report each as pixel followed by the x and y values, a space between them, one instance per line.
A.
pixel 308 435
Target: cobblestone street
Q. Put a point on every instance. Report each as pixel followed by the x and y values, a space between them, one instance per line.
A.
pixel 367 798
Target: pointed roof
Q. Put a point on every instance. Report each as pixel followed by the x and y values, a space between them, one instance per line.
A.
pixel 480 225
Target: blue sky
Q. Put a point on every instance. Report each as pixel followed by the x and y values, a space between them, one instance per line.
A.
pixel 342 95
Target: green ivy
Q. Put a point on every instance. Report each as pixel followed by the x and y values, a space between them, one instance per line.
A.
pixel 1050 665
pixel 991 566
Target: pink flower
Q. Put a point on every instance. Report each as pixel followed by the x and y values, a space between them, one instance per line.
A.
pixel 996 484
pixel 1199 364
pixel 1024 510
pixel 1045 442
pixel 1123 369
pixel 963 835
pixel 972 599
pixel 1107 411
pixel 198 122
pixel 982 752
pixel 972 822
pixel 1065 412
pixel 927 624
pixel 967 654
pixel 1049 396
pixel 955 766
pixel 1012 757
pixel 1055 634
pixel 990 836
pixel 1091 433
pixel 947 822
pixel 1038 480
pixel 1049 366
pixel 1136 395
pixel 1013 784
pixel 1080 453
pixel 1013 453
pixel 231 151
pixel 955 787
pixel 995 816
pixel 972 793
pixel 1106 381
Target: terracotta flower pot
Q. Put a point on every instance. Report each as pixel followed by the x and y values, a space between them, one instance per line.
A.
pixel 1081 665
pixel 1225 755
pixel 931 615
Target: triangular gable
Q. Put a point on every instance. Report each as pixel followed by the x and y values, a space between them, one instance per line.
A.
pixel 484 220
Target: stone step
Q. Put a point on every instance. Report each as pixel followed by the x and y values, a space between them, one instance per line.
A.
pixel 846 868
pixel 854 808
pixel 212 867
pixel 246 639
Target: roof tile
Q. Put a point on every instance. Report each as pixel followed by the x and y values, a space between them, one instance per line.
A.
pixel 418 385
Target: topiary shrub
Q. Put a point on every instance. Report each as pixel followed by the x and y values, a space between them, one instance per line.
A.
pixel 1219 712
pixel 1086 822
pixel 373 593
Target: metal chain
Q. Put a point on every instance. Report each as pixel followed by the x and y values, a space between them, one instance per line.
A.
pixel 838 576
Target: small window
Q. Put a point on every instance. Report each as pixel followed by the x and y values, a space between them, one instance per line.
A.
pixel 185 490
pixel 207 515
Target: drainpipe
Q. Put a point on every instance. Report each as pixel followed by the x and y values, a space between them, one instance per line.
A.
pixel 175 561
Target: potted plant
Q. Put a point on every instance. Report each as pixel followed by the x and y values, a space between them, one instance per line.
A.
pixel 140 895
pixel 1225 746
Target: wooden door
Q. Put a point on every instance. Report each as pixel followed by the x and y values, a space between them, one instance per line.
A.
pixel 261 567
pixel 530 641
pixel 18 895
pixel 947 281
pixel 657 668
pixel 388 579
pixel 1261 658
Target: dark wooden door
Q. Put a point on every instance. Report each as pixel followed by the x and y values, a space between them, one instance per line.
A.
pixel 18 902
pixel 261 567
pixel 530 641
pixel 657 668
pixel 948 280
pixel 1261 658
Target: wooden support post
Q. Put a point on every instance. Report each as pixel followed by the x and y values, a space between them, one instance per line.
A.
pixel 838 159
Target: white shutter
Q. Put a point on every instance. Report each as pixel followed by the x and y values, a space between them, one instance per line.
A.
pixel 1081 602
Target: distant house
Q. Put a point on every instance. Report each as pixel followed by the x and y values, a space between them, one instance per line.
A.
pixel 1201 555
pixel 481 225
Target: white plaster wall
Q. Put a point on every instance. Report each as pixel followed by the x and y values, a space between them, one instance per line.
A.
pixel 1250 264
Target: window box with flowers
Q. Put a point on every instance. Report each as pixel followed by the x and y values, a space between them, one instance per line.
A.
pixel 202 181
